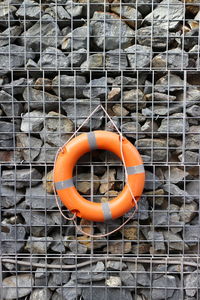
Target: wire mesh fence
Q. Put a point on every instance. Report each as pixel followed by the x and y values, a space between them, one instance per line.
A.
pixel 59 60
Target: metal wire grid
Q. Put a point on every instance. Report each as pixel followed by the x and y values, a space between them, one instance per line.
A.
pixel 33 230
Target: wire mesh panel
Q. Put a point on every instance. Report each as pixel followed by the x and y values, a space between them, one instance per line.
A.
pixel 59 60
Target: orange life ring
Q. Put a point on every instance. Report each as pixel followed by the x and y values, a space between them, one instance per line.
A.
pixel 63 176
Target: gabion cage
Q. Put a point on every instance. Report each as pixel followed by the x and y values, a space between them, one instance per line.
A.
pixel 59 60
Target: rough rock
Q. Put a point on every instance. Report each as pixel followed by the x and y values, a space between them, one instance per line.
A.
pixel 188 211
pixel 65 86
pixel 113 281
pixel 118 34
pixel 116 60
pixel 83 183
pixel 76 58
pixel 174 241
pixel 99 293
pixel 149 127
pixel 155 148
pixel 37 198
pixel 40 294
pixel 88 274
pixel 58 276
pixel 53 58
pixel 14 58
pixel 47 153
pixel 133 98
pixel 7 14
pixel 193 111
pixel 54 123
pixel 139 274
pixel 157 241
pixel 118 247
pixel 152 181
pixel 29 9
pixel 28 146
pixel 160 15
pixel 33 121
pixel 17 286
pixel 107 181
pixel 9 196
pixel 21 178
pixel 42 34
pixel 175 125
pixel 139 56
pixel 172 59
pixel 192 141
pixel 116 265
pixel 189 157
pixel 191 235
pixel 9 234
pixel 9 35
pixel 169 83
pixel 96 88
pixel 193 189
pixel 38 245
pixel 159 97
pixel 40 100
pixel 10 105
pixel 18 84
pixel 159 285
pixel 69 291
pixel 175 175
pixel 119 110
pixel 191 283
pixel 94 61
pixel 77 248
pixel 47 182
pixel 76 39
pixel 42 83
pixel 178 194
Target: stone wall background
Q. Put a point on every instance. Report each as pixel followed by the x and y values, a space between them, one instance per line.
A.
pixel 58 60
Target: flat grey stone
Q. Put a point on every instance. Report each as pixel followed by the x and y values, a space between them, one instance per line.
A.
pixel 77 39
pixel 191 283
pixel 12 56
pixel 9 234
pixel 17 286
pixel 155 36
pixel 193 111
pixel 44 33
pixel 139 273
pixel 74 10
pixel 156 96
pixel 115 265
pixel 69 86
pixel 21 178
pixel 89 274
pixel 152 181
pixel 37 198
pixel 175 175
pixel 52 58
pixel 139 56
pixel 189 157
pixel 93 62
pixel 28 146
pixel 131 129
pixel 40 100
pixel 7 14
pixel 40 294
pixel 58 12
pixel 29 9
pixel 192 141
pixel 169 83
pixel 133 99
pixel 57 244
pixel 191 38
pixel 9 196
pixel 191 235
pixel 160 218
pixel 9 35
pixel 19 86
pixel 165 109
pixel 47 153
pixel 175 125
pixel 96 88
pixel 10 105
pixel 116 60
pixel 165 9
pixel 77 248
pixel 193 189
pixel 173 59
pixel 100 293
pixel 188 212
pixel 76 58
pixel 155 148
pixel 157 241
pixel 128 13
pixel 178 194
pixel 58 276
pixel 118 33
pixel 38 245
pixel 159 291
pixel 32 121
pixel 70 291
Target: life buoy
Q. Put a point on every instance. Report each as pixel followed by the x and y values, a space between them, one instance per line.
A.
pixel 63 176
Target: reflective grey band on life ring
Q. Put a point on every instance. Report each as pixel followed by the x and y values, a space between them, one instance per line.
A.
pixel 135 169
pixel 92 140
pixel 61 185
pixel 106 211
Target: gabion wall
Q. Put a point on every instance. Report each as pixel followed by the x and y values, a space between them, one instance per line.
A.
pixel 59 60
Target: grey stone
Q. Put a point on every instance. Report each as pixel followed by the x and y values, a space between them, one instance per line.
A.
pixel 155 36
pixel 188 212
pixel 164 287
pixel 118 33
pixel 165 9
pixel 174 241
pixel 40 294
pixel 131 129
pixel 54 123
pixel 115 265
pixel 21 178
pixel 128 82
pixel 193 111
pixel 52 58
pixel 192 141
pixel 138 117
pixel 38 245
pixel 28 146
pixel 57 244
pixel 139 273
pixel 160 217
pixel 160 97
pixel 58 12
pixel 16 87
pixel 100 293
pixel 192 96
pixel 77 248
pixel 189 157
pixel 178 194
pixel 76 58
pixel 70 291
pixel 69 86
pixel 133 99
pixel 6 130
pixel 81 108
pixel 139 56
pixel 9 234
pixel 96 88
pixel 119 110
pixel 40 223
pixel 77 39
pixel 191 283
pixel 10 105
pixel 7 14
pixel 169 83
pixel 74 10
pixel 144 6
pixel 176 125
pixel 157 241
pixel 47 153
pixel 116 60
pixel 165 109
pixel 44 33
pixel 58 276
pixel 191 38
pixel 155 148
pixel 12 56
pixel 9 35
pixel 31 64
pixel 113 281
pixel 149 127
pixel 191 234
pixel 128 13
pixel 175 174
pixel 36 197
pixel 40 100
pixel 29 9
pixel 88 274
pixel 9 196
pixel 193 189
pixel 17 286
pixel 152 181
pixel 173 59
pixel 32 121
pixel 93 62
